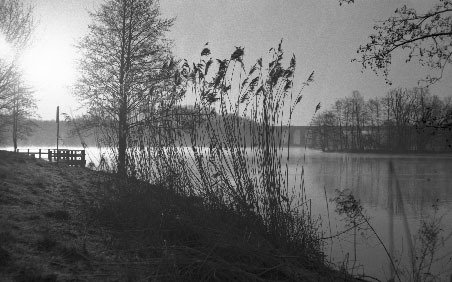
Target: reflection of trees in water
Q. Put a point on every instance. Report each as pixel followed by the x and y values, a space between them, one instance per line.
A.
pixel 422 180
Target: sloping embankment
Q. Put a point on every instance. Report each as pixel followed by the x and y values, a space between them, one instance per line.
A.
pixel 45 235
pixel 66 223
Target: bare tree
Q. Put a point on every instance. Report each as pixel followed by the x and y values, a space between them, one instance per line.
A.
pixel 401 105
pixel 372 110
pixel 357 105
pixel 127 70
pixel 16 26
pixel 404 119
pixel 24 109
pixel 16 120
pixel 426 37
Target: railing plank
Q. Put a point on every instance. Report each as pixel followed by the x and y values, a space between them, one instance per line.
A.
pixel 69 157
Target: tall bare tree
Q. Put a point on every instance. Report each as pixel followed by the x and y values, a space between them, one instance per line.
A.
pixel 402 120
pixel 16 26
pixel 24 110
pixel 127 70
pixel 426 37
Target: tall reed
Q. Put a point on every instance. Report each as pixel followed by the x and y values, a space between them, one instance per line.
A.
pixel 232 147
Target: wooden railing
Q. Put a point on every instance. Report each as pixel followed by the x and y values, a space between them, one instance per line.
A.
pixel 63 156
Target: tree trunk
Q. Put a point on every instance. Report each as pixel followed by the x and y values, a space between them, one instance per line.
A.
pixel 15 113
pixel 122 115
pixel 122 140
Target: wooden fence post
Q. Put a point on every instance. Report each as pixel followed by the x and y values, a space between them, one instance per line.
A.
pixel 39 153
pixel 83 158
pixel 49 155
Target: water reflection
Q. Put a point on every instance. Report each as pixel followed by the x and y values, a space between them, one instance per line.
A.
pixel 403 196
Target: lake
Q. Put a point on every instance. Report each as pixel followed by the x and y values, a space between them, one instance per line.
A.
pixel 403 196
pixel 395 201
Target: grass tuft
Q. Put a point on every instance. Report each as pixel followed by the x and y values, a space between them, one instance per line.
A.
pixel 41 181
pixel 6 237
pixel 31 273
pixel 58 215
pixel 46 243
pixel 4 257
pixel 3 173
pixel 71 254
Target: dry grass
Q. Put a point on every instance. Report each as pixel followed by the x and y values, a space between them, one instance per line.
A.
pixel 34 273
pixel 221 206
pixel 169 237
pixel 233 154
pixel 58 214
pixel 44 235
pixel 4 257
pixel 133 232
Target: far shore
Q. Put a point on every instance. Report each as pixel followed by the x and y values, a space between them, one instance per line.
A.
pixel 393 153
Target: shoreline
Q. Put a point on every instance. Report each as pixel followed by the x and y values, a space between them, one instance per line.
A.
pixel 65 223
pixel 394 153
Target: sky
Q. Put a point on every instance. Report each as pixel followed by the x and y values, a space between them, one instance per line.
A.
pixel 323 36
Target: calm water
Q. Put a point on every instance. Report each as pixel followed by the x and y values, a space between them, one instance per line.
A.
pixel 423 181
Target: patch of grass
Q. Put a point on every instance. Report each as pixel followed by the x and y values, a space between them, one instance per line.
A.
pixel 71 254
pixel 6 237
pixel 40 181
pixel 58 215
pixel 33 190
pixel 35 274
pixel 3 173
pixel 34 217
pixel 5 257
pixel 187 240
pixel 46 243
pixel 27 202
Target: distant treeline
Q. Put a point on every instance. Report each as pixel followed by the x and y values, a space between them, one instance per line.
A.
pixel 403 120
pixel 43 133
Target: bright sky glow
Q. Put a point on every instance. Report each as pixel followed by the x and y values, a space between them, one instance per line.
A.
pixel 6 50
pixel 50 67
pixel 50 62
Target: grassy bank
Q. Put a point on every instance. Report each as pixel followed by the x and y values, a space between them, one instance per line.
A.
pixel 45 233
pixel 66 223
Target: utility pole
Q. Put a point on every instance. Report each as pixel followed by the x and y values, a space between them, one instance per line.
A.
pixel 58 131
pixel 15 113
pixel 15 117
